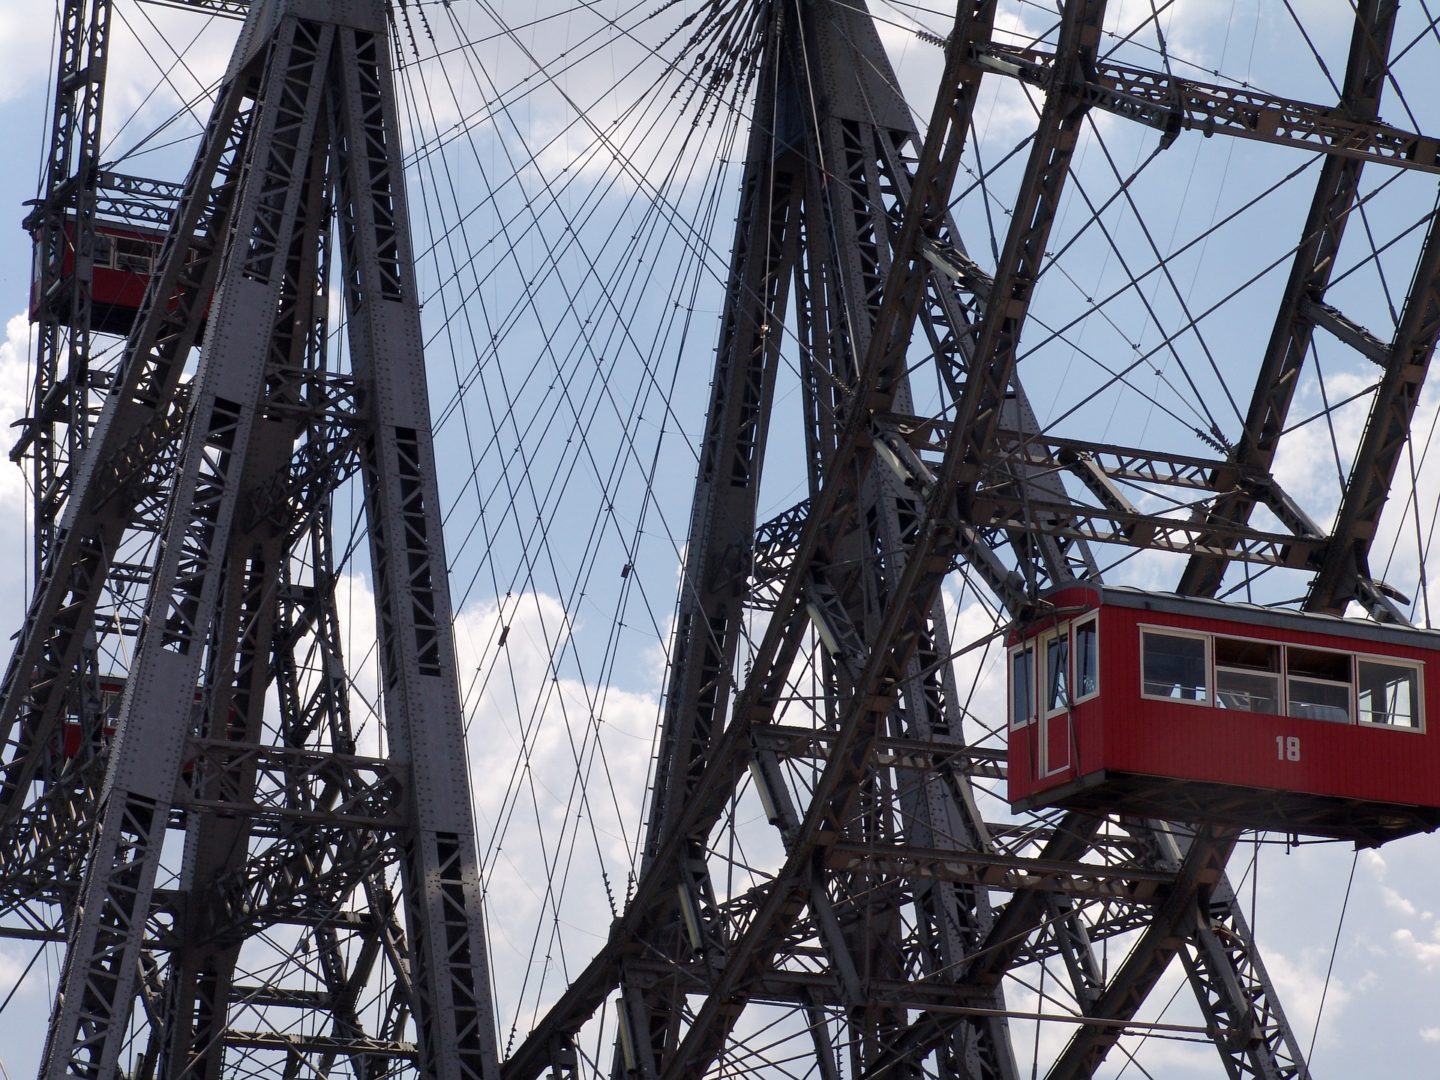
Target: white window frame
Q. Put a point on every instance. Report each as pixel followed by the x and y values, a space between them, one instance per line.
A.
pixel 1093 619
pixel 1206 639
pixel 1216 667
pixel 1351 709
pixel 1354 706
pixel 1016 725
pixel 1042 671
pixel 108 262
pixel 1393 661
pixel 1284 675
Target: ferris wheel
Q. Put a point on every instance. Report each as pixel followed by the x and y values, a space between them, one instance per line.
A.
pixel 1054 587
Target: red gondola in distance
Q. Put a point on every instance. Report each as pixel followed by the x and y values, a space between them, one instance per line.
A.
pixel 125 260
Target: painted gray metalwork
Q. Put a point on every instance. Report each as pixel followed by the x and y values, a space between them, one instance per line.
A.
pixel 897 909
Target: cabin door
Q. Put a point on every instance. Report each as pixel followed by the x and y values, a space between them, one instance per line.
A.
pixel 1055 736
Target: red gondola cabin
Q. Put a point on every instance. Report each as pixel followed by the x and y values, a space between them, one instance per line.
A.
pixel 71 738
pixel 112 689
pixel 1163 706
pixel 125 258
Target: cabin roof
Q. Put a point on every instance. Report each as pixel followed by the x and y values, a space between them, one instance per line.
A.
pixel 1254 615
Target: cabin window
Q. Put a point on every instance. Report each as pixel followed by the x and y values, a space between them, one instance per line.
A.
pixel 1388 694
pixel 1087 659
pixel 1022 686
pixel 1175 666
pixel 1057 672
pixel 104 256
pixel 1319 684
pixel 133 255
pixel 1247 675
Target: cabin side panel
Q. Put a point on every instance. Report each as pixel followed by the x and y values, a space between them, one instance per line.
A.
pixel 1204 741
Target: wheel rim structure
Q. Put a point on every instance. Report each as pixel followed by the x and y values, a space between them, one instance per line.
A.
pixel 826 882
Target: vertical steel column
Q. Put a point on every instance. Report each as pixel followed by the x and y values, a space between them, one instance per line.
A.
pixel 439 866
pixel 63 227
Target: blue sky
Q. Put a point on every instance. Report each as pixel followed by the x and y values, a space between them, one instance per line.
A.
pixel 571 246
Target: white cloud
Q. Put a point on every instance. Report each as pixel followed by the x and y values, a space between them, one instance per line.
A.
pixel 1305 984
pixel 1426 953
pixel 14 499
pixel 12 972
pixel 1395 902
pixel 14 369
pixel 1430 1034
pixel 24 49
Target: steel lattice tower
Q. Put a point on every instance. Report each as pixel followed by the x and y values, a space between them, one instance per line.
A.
pixel 895 909
pixel 233 471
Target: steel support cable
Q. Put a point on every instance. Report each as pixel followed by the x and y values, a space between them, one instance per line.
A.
pixel 1159 48
pixel 568 241
pixel 1411 510
pixel 1334 949
pixel 606 293
pixel 165 75
pixel 144 146
pixel 1162 261
pixel 1386 430
pixel 650 99
pixel 1167 341
pixel 1429 31
pixel 1120 376
pixel 527 772
pixel 1198 239
pixel 1205 313
pixel 1336 194
pixel 507 98
pixel 1424 537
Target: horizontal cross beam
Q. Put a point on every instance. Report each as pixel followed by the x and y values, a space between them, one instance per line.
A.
pixel 1006 872
pixel 1172 104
